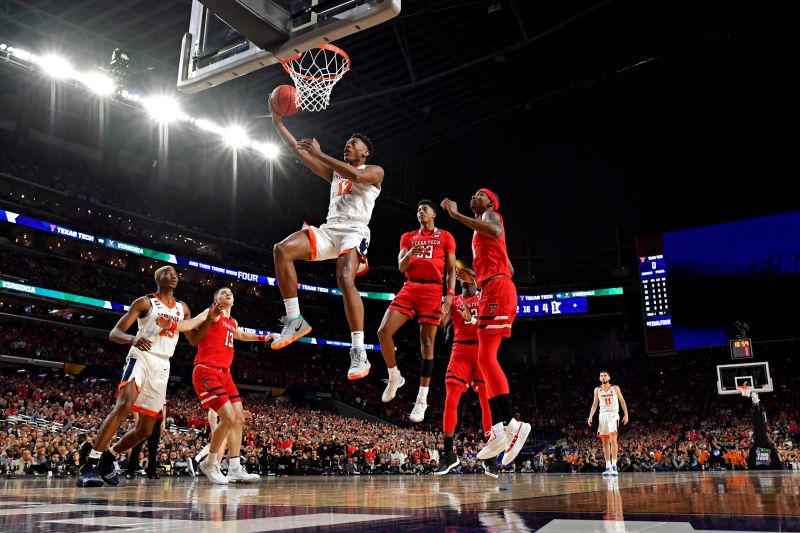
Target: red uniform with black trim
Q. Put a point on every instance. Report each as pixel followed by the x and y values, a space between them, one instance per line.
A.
pixel 463 366
pixel 211 376
pixel 498 303
pixel 421 295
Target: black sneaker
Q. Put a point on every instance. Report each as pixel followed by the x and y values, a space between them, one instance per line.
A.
pixel 105 467
pixel 448 462
pixel 490 468
pixel 88 477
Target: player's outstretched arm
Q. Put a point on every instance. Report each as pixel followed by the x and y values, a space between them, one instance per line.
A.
pixel 314 165
pixel 246 336
pixel 182 326
pixel 371 174
pixel 139 308
pixel 594 408
pixel 488 224
pixel 623 404
pixel 196 336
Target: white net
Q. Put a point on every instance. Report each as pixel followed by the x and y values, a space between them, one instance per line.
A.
pixel 314 73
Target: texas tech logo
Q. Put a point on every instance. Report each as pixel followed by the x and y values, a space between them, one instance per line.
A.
pixel 492 309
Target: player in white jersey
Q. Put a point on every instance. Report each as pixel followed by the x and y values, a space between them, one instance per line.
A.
pixel 609 398
pixel 344 236
pixel 143 388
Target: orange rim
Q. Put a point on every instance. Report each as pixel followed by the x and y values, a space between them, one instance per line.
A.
pixel 326 46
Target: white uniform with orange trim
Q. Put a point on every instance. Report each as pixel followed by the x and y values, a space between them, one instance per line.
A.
pixel 609 411
pixel 150 370
pixel 349 213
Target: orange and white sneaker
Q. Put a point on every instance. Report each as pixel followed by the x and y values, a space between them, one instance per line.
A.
pixel 359 364
pixel 292 330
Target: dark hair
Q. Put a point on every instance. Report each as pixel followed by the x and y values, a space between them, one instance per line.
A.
pixel 605 372
pixel 363 138
pixel 427 202
pixel 217 291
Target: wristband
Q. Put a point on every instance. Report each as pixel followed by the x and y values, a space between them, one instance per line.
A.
pixel 262 338
pixel 173 327
pixel 451 292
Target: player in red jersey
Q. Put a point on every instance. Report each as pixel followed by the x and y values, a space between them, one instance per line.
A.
pixel 425 253
pixel 498 307
pixel 463 369
pixel 215 387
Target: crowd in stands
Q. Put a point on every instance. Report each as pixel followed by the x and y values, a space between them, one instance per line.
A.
pixel 48 415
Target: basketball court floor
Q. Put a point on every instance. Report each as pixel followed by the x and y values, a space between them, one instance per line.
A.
pixel 658 503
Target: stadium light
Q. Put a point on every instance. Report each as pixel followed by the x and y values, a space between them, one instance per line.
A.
pixel 98 83
pixel 163 109
pixel 268 150
pixel 56 67
pixel 235 137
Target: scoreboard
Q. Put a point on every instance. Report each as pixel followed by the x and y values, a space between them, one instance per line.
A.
pixel 560 303
pixel 655 294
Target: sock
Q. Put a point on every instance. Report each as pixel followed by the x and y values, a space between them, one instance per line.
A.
pixel 448 445
pixel 94 457
pixel 394 373
pixel 107 459
pixel 422 395
pixel 292 307
pixel 233 464
pixel 358 339
pixel 504 407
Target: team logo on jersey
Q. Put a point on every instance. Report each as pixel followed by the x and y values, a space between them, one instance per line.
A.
pixel 492 309
pixel 205 384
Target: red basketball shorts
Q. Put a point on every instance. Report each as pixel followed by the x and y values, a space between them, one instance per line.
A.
pixel 422 301
pixel 463 366
pixel 214 387
pixel 497 307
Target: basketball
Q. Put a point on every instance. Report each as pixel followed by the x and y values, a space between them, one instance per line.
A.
pixel 283 100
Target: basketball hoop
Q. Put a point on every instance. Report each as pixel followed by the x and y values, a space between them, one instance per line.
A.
pixel 745 389
pixel 314 73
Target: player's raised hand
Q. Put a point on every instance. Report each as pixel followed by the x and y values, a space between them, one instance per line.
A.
pixel 418 249
pixel 276 117
pixel 163 321
pixel 450 206
pixel 309 145
pixel 466 275
pixel 214 311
